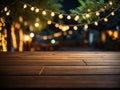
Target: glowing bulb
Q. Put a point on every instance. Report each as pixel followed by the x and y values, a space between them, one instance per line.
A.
pixel 32 8
pixel 68 17
pixel 0 24
pixel 96 23
pixel 36 24
pixel 70 32
pixel 86 26
pixel 75 27
pixel 87 15
pixel 25 6
pixel 56 25
pixel 44 12
pixel 52 14
pixel 53 41
pixel 76 17
pixel 37 10
pixel 8 13
pixel 26 38
pixel 49 22
pixel 105 19
pixel 60 16
pixel 110 3
pixel 97 13
pixel 32 34
pixel 5 9
pixel 112 13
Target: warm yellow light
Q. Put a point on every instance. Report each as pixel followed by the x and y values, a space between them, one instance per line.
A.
pixel 112 13
pixel 116 35
pixel 52 14
pixel 75 28
pixel 76 18
pixel 0 24
pixel 24 6
pixel 86 26
pixel 0 28
pixel 110 2
pixel 20 19
pixel 60 16
pixel 105 19
pixel 96 23
pixel 45 37
pixel 57 25
pixel 44 12
pixel 97 13
pixel 49 22
pixel 36 24
pixel 68 17
pixel 65 28
pixel 8 13
pixel 32 8
pixel 5 9
pixel 70 32
pixel 89 10
pixel 87 15
pixel 110 33
pixel 60 26
pixel 2 20
pixel 32 34
pixel 26 38
pixel 37 10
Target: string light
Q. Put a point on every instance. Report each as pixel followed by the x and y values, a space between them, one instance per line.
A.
pixel 96 23
pixel 44 12
pixel 112 13
pixel 56 25
pixel 75 28
pixel 86 26
pixel 68 17
pixel 24 6
pixel 60 16
pixel 111 3
pixel 37 10
pixel 76 17
pixel 52 14
pixel 105 19
pixel 5 9
pixel 87 15
pixel 97 13
pixel 8 13
pixel 32 9
pixel 70 32
pixel 49 22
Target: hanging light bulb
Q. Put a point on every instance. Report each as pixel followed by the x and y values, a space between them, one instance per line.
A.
pixel 37 10
pixel 52 14
pixel 60 16
pixel 5 9
pixel 111 3
pixel 96 23
pixel 112 13
pixel 44 12
pixel 49 22
pixel 75 28
pixel 97 13
pixel 87 15
pixel 24 6
pixel 86 26
pixel 70 32
pixel 56 25
pixel 76 18
pixel 105 19
pixel 8 13
pixel 68 17
pixel 32 8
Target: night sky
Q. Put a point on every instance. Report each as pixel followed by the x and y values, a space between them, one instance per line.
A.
pixel 69 4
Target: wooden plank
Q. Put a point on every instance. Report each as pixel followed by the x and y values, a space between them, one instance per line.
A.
pixel 40 62
pixel 20 70
pixel 78 70
pixel 93 81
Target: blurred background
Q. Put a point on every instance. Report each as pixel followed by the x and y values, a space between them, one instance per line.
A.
pixel 59 25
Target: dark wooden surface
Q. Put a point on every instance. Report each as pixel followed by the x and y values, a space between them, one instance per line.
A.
pixel 60 70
